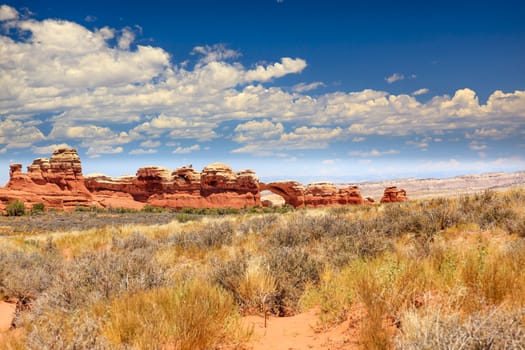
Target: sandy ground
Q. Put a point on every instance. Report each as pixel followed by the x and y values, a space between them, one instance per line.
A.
pixel 301 332
pixel 7 314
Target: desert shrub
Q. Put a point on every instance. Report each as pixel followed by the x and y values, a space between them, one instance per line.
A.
pixel 300 229
pixel 213 234
pixel 493 277
pixel 120 210
pixel 431 329
pixel 103 275
pixel 26 275
pixel 250 285
pixel 15 208
pixel 349 239
pixel 260 224
pixel 333 296
pixel 61 331
pixel 229 274
pixel 133 242
pixel 186 217
pixel 38 208
pixel 193 315
pixel 293 269
pixel 148 208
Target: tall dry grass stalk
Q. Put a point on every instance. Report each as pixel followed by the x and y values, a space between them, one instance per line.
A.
pixel 194 315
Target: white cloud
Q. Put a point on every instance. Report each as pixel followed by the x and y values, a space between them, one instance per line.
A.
pixel 493 133
pixel 276 70
pixel 303 87
pixel 140 151
pixel 96 151
pixel 49 149
pixel 16 133
pixel 257 130
pixel 126 38
pixel 422 91
pixel 394 77
pixel 476 146
pixel 217 52
pixel 185 150
pixel 373 153
pixel 150 143
pixel 100 93
pixel 330 161
pixel 8 13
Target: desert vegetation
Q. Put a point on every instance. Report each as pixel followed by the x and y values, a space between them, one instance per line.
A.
pixel 444 273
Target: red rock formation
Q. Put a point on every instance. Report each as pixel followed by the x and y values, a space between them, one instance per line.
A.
pixel 291 191
pixel 393 194
pixel 314 195
pixel 57 182
pixel 217 186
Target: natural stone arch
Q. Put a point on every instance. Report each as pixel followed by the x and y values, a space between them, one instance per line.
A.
pixel 291 191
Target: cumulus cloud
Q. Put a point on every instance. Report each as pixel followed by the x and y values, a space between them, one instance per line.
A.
pixel 373 153
pixel 477 146
pixel 286 66
pixel 141 151
pixel 422 91
pixel 492 133
pixel 394 77
pixel 150 143
pixel 16 133
pixel 217 52
pixel 104 91
pixel 185 150
pixel 8 13
pixel 303 87
pixel 96 151
pixel 49 148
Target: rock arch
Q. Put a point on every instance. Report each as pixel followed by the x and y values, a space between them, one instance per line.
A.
pixel 291 191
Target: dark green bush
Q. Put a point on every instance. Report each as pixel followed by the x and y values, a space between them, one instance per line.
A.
pixel 38 208
pixel 15 208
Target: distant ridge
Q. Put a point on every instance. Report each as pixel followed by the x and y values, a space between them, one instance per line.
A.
pixel 448 187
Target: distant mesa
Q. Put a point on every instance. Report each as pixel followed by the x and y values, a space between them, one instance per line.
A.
pixel 58 182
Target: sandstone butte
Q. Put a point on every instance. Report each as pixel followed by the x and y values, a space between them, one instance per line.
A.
pixel 58 182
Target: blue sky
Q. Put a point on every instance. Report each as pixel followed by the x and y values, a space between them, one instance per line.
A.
pixel 309 90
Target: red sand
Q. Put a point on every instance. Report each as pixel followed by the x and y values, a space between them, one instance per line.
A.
pixel 300 332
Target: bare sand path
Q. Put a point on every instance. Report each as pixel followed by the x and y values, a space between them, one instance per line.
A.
pixel 7 314
pixel 300 332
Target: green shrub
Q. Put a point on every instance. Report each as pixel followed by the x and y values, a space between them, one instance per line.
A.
pixel 38 208
pixel 15 208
